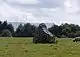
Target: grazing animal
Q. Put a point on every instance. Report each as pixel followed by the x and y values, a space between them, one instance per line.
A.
pixel 76 39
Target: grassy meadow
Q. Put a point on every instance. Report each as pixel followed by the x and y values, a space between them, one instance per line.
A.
pixel 23 47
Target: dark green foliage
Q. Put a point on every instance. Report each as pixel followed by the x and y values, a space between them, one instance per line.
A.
pixel 4 25
pixel 65 30
pixel 70 30
pixel 10 27
pixel 6 29
pixel 0 27
pixel 6 33
pixel 19 31
pixel 56 30
pixel 26 30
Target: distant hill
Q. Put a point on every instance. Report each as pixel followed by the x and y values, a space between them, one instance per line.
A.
pixel 16 24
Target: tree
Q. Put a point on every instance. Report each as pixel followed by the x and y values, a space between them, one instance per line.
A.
pixel 10 28
pixel 65 30
pixel 77 33
pixel 0 27
pixel 69 30
pixel 19 31
pixel 55 30
pixel 4 25
pixel 6 33
pixel 28 30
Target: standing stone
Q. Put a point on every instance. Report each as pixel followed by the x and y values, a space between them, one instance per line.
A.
pixel 42 35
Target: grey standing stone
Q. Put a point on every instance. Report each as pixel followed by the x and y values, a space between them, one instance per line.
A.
pixel 42 35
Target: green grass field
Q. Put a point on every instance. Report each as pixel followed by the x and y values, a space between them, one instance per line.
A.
pixel 23 47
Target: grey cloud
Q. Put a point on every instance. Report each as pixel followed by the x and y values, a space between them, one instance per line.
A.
pixel 40 4
pixel 49 3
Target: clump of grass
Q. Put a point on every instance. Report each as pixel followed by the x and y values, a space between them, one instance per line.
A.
pixel 26 50
pixel 55 48
pixel 51 45
pixel 6 45
pixel 26 43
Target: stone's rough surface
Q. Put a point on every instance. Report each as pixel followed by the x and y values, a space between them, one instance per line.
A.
pixel 42 35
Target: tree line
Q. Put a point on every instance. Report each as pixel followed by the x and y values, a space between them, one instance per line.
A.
pixel 27 30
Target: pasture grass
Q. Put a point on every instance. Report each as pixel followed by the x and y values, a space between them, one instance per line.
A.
pixel 23 47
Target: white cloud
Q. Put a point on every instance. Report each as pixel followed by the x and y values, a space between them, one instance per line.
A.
pixel 23 1
pixel 56 11
pixel 11 14
pixel 71 6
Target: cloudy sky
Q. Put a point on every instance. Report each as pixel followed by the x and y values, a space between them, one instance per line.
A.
pixel 37 11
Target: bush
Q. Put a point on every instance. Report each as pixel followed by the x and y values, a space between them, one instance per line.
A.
pixel 6 33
